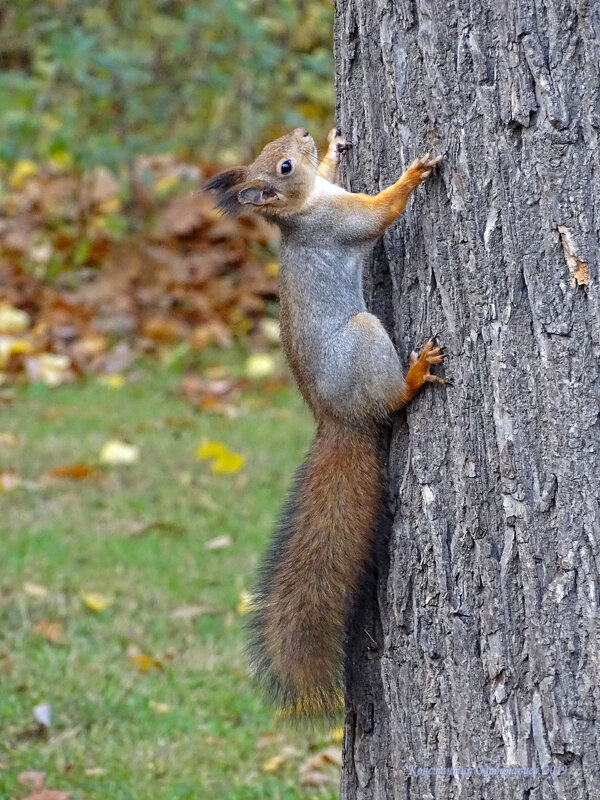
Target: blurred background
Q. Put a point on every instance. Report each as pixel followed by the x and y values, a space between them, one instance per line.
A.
pixel 148 426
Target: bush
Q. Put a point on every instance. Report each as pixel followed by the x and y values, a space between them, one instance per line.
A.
pixel 89 84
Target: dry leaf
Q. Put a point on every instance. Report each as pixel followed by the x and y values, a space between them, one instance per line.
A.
pixel 43 714
pixel 76 472
pixel 322 759
pixel 22 171
pixel 158 707
pixel 48 794
pixel 245 603
pixel 96 602
pixel 49 368
pixel 337 735
pixel 191 612
pixel 35 590
pixel 113 381
pixel 9 480
pixel 50 630
pixel 144 662
pixel 260 365
pixel 8 439
pixel 13 320
pixel 116 452
pixel 273 764
pixel 219 543
pixel 32 779
pixel 315 779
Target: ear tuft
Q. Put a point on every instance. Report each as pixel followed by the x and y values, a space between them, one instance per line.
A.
pixel 225 180
pixel 226 185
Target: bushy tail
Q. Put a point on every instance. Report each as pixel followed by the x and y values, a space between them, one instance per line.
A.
pixel 312 569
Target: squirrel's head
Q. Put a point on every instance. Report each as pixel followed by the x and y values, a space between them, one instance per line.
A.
pixel 277 183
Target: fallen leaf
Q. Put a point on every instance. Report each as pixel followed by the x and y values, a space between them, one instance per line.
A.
pixel 94 772
pixel 76 471
pixel 191 612
pixel 48 794
pixel 144 662
pixel 32 779
pixel 117 452
pixel 322 759
pixel 113 381
pixel 260 365
pixel 245 603
pixel 227 464
pixel 158 707
pixel 13 320
pixel 315 779
pixel 219 543
pixel 51 630
pixel 49 368
pixel 337 735
pixel 9 480
pixel 22 171
pixel 96 602
pixel 223 460
pixel 8 439
pixel 42 714
pixel 35 590
pixel 273 764
pixel 139 527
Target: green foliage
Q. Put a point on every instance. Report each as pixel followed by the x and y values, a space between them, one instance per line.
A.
pixel 105 82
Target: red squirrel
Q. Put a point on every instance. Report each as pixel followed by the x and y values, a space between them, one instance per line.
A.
pixel 350 375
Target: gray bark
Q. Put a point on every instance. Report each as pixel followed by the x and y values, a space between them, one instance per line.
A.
pixel 479 651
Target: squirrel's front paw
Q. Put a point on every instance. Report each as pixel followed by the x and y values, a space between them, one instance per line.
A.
pixel 418 374
pixel 423 166
pixel 337 144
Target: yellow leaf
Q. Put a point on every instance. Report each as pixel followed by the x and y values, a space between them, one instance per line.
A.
pixel 113 381
pixel 337 734
pixel 96 602
pixel 224 461
pixel 61 160
pixel 245 603
pixel 273 764
pixel 260 365
pixel 165 184
pixel 20 346
pixel 211 450
pixel 117 452
pixel 23 170
pixel 227 464
pixel 159 708
pixel 13 320
pixel 110 206
pixel 144 662
pixel 272 268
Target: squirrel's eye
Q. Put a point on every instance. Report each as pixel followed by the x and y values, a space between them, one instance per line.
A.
pixel 285 167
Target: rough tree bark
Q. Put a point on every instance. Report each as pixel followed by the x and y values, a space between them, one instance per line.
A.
pixel 475 670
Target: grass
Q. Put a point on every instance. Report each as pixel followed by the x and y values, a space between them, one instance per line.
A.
pixel 192 725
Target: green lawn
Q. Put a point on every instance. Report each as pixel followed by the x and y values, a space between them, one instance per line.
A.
pixel 192 725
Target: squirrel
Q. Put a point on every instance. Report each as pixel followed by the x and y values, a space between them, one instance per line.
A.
pixel 350 375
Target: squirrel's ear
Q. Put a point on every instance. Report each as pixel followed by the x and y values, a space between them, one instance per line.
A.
pixel 257 194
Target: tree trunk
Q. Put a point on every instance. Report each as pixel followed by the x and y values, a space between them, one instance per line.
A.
pixel 474 672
